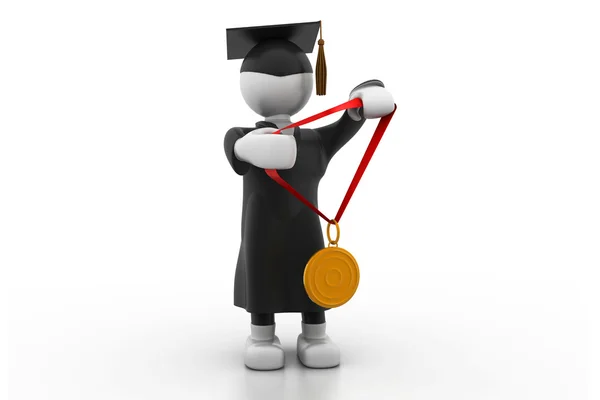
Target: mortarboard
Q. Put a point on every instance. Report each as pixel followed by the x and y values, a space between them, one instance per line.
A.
pixel 279 50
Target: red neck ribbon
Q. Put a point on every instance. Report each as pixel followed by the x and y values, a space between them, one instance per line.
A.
pixel 379 131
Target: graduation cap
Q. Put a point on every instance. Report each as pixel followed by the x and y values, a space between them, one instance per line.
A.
pixel 279 50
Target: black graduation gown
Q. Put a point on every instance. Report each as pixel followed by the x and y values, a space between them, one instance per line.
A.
pixel 279 233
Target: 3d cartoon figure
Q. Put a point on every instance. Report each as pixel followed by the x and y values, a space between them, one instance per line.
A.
pixel 279 233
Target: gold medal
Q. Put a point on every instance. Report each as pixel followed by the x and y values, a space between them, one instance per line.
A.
pixel 331 275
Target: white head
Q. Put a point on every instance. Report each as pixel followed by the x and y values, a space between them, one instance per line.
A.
pixel 276 78
pixel 269 95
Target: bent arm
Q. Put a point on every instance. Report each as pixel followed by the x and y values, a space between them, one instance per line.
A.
pixel 232 136
pixel 335 136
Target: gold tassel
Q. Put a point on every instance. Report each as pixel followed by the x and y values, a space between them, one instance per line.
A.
pixel 321 74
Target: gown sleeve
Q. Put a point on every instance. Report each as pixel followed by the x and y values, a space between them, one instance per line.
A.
pixel 333 137
pixel 232 135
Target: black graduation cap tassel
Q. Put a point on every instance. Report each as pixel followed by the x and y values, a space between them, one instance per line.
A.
pixel 321 74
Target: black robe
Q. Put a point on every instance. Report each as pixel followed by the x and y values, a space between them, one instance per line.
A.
pixel 279 233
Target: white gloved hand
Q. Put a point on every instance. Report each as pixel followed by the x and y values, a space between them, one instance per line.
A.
pixel 264 150
pixel 377 101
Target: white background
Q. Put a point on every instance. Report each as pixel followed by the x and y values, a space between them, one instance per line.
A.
pixel 476 225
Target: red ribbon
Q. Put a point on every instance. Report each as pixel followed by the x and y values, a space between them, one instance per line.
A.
pixel 379 131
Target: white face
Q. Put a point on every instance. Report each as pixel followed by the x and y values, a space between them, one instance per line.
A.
pixel 269 95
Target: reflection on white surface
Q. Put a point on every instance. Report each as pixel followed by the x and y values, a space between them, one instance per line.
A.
pixel 149 347
pixel 263 385
pixel 319 384
pixel 292 382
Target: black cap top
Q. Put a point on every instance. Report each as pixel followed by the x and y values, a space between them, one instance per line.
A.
pixel 278 50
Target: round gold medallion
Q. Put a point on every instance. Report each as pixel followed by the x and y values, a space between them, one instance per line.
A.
pixel 331 275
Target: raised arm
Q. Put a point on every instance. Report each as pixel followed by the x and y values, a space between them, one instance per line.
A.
pixel 259 147
pixel 335 136
pixel 377 102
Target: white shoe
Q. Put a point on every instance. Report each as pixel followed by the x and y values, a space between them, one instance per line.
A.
pixel 316 349
pixel 263 349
